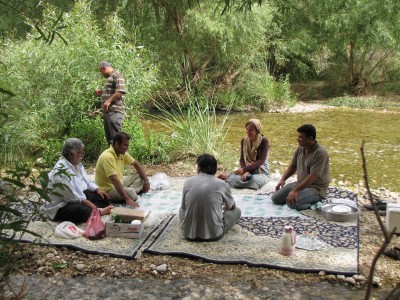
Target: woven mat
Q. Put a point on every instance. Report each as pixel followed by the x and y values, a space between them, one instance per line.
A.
pixel 113 246
pixel 254 241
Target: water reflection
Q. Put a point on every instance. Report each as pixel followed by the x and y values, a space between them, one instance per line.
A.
pixel 341 131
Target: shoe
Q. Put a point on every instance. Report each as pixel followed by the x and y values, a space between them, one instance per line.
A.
pixel 393 252
pixel 380 205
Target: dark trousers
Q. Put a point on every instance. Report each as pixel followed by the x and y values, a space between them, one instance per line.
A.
pixel 112 121
pixel 79 213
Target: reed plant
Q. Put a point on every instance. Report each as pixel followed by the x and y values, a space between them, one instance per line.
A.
pixel 194 127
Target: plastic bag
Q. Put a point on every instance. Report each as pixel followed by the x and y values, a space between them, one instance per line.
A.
pixel 95 227
pixel 159 182
pixel 68 230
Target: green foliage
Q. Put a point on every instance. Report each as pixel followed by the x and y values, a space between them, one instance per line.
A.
pixel 230 98
pixel 356 102
pixel 261 90
pixel 150 148
pixel 52 152
pixel 22 192
pixel 195 128
pixel 55 84
pixel 91 132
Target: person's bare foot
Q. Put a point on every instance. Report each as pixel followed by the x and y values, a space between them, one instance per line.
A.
pixel 222 177
pixel 106 210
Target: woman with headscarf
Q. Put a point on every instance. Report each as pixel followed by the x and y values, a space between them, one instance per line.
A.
pixel 74 195
pixel 254 154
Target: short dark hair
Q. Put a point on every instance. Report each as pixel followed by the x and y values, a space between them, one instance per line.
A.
pixel 104 64
pixel 207 164
pixel 121 137
pixel 308 130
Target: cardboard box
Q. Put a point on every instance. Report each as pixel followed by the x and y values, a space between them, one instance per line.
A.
pixel 393 217
pixel 130 214
pixel 124 230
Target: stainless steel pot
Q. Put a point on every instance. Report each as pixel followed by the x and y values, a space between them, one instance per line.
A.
pixel 331 215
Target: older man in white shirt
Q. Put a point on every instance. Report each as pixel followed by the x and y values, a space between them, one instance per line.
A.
pixel 73 195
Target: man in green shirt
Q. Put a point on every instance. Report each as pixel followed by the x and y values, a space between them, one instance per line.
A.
pixel 311 162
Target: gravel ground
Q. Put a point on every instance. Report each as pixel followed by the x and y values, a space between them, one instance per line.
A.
pixel 61 273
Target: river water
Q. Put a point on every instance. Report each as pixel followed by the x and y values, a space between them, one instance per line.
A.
pixel 340 130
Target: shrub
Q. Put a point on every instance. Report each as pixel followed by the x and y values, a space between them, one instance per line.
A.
pixel 91 132
pixel 22 192
pixel 55 83
pixel 261 90
pixel 153 148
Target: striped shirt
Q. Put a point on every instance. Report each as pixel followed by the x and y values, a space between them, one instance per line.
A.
pixel 114 83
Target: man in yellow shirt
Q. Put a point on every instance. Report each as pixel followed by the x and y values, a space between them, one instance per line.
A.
pixel 110 169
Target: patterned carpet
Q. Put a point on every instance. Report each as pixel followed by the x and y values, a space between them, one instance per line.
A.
pixel 254 241
pixel 116 247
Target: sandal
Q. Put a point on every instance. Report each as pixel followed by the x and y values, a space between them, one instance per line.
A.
pixel 380 205
pixel 393 252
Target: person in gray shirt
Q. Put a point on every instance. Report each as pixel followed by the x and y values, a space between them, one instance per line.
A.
pixel 311 162
pixel 207 210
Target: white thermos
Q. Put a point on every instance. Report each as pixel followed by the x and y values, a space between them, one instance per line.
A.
pixel 288 241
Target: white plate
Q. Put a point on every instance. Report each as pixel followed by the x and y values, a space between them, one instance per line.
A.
pixel 341 209
pixel 343 201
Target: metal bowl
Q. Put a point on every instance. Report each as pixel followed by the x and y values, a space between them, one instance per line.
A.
pixel 331 215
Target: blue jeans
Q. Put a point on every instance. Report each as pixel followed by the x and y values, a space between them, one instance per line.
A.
pixel 305 198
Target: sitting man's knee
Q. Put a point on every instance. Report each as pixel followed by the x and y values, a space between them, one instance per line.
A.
pixel 278 199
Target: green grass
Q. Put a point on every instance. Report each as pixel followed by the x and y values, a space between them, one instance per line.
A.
pixel 357 102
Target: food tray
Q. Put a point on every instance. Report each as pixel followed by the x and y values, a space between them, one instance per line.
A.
pixel 331 215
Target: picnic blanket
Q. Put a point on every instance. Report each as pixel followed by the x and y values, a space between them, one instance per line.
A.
pixel 254 240
pixel 113 246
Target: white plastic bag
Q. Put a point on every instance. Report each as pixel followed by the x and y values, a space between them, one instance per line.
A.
pixel 159 182
pixel 153 219
pixel 68 230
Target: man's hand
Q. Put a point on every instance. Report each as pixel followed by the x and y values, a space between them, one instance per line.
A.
pixel 239 171
pixel 102 194
pixel 292 197
pixel 98 92
pixel 89 204
pixel 106 105
pixel 280 184
pixel 132 203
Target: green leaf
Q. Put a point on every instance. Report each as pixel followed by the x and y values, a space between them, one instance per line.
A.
pixel 7 92
pixel 15 182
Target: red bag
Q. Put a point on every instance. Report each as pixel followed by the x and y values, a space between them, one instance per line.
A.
pixel 95 227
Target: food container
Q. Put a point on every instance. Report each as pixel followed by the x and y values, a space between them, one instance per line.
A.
pixel 340 212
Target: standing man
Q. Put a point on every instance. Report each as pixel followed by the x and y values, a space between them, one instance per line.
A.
pixel 207 210
pixel 110 170
pixel 112 100
pixel 311 162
